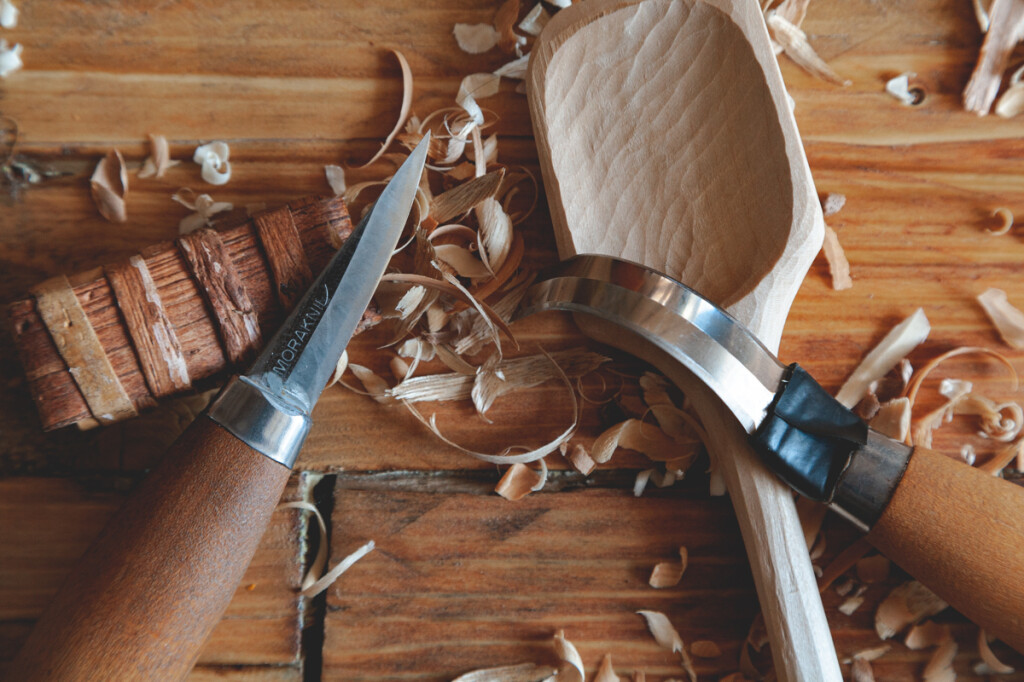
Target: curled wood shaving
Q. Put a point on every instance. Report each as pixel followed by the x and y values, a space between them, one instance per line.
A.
pixel 832 204
pixel 893 419
pixel 704 648
pixel 940 665
pixel 906 604
pixel 874 569
pixel 462 261
pixel 1008 320
pixel 567 653
pixel 497 377
pixel 861 671
pixel 981 14
pixel 515 69
pixel 475 38
pixel 896 345
pixel 504 21
pixel 667 637
pixel 535 20
pixel 109 184
pixel 926 635
pixel 473 86
pixel 159 159
pixel 915 384
pixel 838 266
pixel 339 368
pixel 523 672
pixel 336 179
pixel 8 14
pixel 661 479
pixel 668 574
pixel 204 208
pixel 872 654
pixel 374 385
pixel 213 158
pixel 899 87
pixel 634 434
pixel 403 112
pixel 843 562
pixel 520 480
pixel 477 335
pixel 794 43
pixel 311 585
pixel 605 672
pixel 793 11
pixel 851 604
pixel 1006 215
pixel 495 233
pixel 463 198
pixel 1012 101
pixel 580 460
pixel 10 58
pixel 1005 31
pixel 1003 457
pixel 990 664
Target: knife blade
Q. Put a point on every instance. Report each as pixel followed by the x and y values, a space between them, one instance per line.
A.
pixel 146 595
pixel 944 522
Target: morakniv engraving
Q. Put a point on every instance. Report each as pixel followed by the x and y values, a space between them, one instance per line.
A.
pixel 299 335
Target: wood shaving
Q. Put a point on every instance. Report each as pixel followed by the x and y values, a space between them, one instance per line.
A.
pixel 874 569
pixel 605 672
pixel 473 86
pixel 704 648
pixel 519 481
pixel 10 58
pixel 535 20
pixel 940 665
pixel 634 434
pixel 793 11
pixel 661 479
pixel 794 43
pixel 8 14
pixel 981 14
pixel 567 653
pixel 872 654
pixel 336 179
pixel 311 585
pixel 1008 320
pixel 899 88
pixel 159 159
pixel 843 562
pixel 926 635
pixel 1003 457
pixel 667 637
pixel 990 664
pixel 668 574
pixel 109 184
pixel 861 671
pixel 403 112
pixel 580 460
pixel 523 672
pixel 463 198
pixel 339 369
pixel 374 385
pixel 896 345
pixel 915 384
pixel 1006 215
pixel 851 604
pixel 504 21
pixel 838 266
pixel 204 208
pixel 213 158
pixel 906 604
pixel 515 69
pixel 893 419
pixel 462 261
pixel 1012 101
pixel 1005 31
pixel 832 204
pixel 475 38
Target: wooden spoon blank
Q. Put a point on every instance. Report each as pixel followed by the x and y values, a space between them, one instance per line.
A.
pixel 665 137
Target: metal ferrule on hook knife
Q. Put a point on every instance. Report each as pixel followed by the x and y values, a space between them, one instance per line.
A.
pixel 269 406
pixel 810 440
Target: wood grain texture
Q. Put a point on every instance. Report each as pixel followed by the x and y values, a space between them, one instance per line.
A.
pixel 149 591
pixel 49 523
pixel 950 527
pixel 681 109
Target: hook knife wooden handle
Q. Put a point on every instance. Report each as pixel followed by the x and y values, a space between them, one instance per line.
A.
pixel 146 595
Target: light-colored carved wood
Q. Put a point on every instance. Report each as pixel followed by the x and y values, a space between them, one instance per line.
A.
pixel 665 137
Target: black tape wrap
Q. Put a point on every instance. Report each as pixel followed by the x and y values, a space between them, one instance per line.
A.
pixel 808 436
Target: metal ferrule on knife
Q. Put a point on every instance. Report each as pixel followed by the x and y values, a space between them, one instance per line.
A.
pixel 815 444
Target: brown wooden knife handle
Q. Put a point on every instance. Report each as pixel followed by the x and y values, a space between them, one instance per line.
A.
pixel 146 595
pixel 960 531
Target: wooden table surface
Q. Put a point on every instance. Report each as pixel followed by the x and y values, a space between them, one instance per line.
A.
pixel 461 578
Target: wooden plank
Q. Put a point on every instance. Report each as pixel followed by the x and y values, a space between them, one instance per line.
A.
pixel 49 522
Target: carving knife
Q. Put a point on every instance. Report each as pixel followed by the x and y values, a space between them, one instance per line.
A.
pixel 146 595
pixel 958 530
